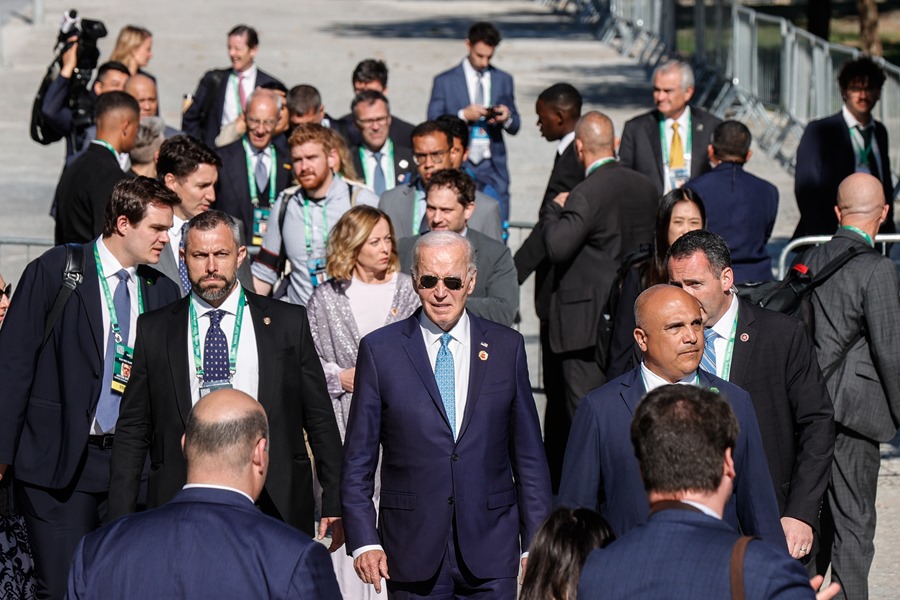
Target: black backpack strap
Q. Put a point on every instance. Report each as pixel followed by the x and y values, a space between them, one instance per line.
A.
pixel 73 275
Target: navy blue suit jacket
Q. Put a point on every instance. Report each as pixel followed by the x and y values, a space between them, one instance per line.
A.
pixel 206 132
pixel 600 470
pixel 50 392
pixel 742 209
pixel 233 188
pixel 824 159
pixel 450 94
pixel 205 543
pixel 686 554
pixel 491 483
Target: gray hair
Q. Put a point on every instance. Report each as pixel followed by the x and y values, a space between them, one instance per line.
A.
pixel 687 73
pixel 150 137
pixel 442 239
pixel 211 219
pixel 259 92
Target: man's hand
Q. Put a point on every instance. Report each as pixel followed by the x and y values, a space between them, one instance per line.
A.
pixel 799 536
pixel 2 470
pixel 473 112
pixel 337 531
pixel 828 593
pixel 69 58
pixel 561 199
pixel 371 566
pixel 502 114
pixel 346 377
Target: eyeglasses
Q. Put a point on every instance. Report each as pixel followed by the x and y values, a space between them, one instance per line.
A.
pixel 268 124
pixel 451 283
pixel 7 291
pixel 858 89
pixel 436 157
pixel 369 122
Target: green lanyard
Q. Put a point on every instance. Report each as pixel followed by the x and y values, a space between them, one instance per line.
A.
pixel 251 174
pixel 864 152
pixel 308 225
pixel 599 164
pixel 417 210
pixel 235 337
pixel 109 147
pixel 110 305
pixel 388 173
pixel 237 93
pixel 860 232
pixel 662 137
pixel 729 351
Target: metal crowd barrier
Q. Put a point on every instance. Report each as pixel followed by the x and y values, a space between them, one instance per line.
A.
pixel 814 240
pixel 17 252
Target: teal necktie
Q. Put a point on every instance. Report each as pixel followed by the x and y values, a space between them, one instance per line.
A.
pixel 444 374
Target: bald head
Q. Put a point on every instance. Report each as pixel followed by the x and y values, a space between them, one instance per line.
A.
pixel 262 117
pixel 222 438
pixel 143 89
pixel 669 331
pixel 594 137
pixel 654 299
pixel 860 202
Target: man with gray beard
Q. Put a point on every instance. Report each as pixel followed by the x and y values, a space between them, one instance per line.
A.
pixel 222 336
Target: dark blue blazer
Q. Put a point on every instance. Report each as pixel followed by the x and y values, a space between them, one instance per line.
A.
pixel 50 392
pixel 600 470
pixel 742 209
pixel 491 483
pixel 686 554
pixel 233 188
pixel 450 94
pixel 207 132
pixel 824 159
pixel 205 543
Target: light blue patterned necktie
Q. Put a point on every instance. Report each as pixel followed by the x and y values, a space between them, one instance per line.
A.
pixel 708 362
pixel 444 373
pixel 378 182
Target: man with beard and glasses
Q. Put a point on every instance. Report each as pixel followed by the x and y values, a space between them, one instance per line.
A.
pixel 222 336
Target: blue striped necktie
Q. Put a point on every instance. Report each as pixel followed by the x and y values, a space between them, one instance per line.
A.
pixel 708 362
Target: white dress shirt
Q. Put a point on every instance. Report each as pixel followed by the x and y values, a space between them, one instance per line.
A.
pixel 564 142
pixel 859 143
pixel 231 111
pixel 246 375
pixel 723 328
pixel 175 239
pixel 684 130
pixel 653 381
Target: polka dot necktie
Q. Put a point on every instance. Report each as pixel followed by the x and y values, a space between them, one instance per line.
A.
pixel 215 349
pixel 444 373
pixel 378 181
pixel 182 268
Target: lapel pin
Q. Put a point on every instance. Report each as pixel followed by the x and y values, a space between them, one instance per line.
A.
pixel 403 164
pixel 394 311
pixel 699 126
pixel 484 344
pixel 714 390
pixel 483 355
pixel 286 166
pixel 744 337
pixel 267 320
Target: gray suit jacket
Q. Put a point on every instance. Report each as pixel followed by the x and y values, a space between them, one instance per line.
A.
pixel 865 387
pixel 398 203
pixel 168 266
pixel 496 293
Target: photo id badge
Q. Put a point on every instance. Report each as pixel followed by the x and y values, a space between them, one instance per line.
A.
pixel 260 223
pixel 208 387
pixel 480 143
pixel 316 268
pixel 122 368
pixel 678 177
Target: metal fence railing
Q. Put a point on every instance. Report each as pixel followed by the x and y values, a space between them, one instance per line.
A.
pixel 17 252
pixel 755 67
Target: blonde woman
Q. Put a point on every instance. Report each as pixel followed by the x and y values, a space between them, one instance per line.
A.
pixel 134 48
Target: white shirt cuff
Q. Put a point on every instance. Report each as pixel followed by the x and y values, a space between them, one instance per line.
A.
pixel 362 549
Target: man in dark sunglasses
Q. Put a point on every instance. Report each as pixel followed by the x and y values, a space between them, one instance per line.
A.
pixel 449 203
pixel 5 295
pixel 444 396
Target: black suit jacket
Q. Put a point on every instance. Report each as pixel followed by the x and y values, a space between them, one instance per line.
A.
pixel 608 215
pixel 774 360
pixel 233 189
pixel 83 193
pixel 404 167
pixel 531 257
pixel 400 131
pixel 50 391
pixel 641 149
pixel 292 390
pixel 206 131
pixel 824 159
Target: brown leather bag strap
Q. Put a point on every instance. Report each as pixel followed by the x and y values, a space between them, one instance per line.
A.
pixel 737 567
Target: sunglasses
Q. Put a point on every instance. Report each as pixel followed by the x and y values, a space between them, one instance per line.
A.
pixel 451 283
pixel 7 291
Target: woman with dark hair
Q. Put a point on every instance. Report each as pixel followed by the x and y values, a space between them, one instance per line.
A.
pixel 680 211
pixel 558 551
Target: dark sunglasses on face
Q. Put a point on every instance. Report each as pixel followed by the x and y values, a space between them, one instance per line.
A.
pixel 429 281
pixel 7 291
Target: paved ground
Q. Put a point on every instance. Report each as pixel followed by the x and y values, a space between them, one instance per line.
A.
pixel 319 42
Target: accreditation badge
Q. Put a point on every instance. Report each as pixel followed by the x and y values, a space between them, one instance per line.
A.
pixel 260 224
pixel 316 268
pixel 122 368
pixel 678 177
pixel 208 387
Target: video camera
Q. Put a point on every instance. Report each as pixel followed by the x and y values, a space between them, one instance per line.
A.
pixel 79 101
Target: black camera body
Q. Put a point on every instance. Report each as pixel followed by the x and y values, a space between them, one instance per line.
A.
pixel 80 101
